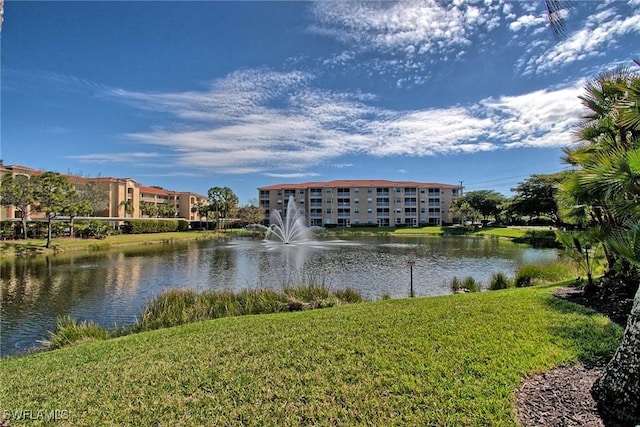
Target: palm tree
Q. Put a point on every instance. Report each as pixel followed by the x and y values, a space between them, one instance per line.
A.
pixel 618 389
pixel 608 177
pixel 127 205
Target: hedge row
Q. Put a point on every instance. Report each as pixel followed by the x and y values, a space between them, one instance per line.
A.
pixel 142 226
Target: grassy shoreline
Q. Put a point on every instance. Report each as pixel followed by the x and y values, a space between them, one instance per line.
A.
pixel 449 360
pixel 13 248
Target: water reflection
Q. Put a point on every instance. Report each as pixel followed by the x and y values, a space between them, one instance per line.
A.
pixel 111 288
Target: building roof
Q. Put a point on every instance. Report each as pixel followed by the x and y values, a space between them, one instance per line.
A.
pixel 351 183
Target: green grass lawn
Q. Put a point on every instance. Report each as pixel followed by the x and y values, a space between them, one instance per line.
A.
pixel 76 244
pixel 512 233
pixel 452 360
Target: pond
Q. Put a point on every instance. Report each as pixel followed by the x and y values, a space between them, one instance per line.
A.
pixel 111 288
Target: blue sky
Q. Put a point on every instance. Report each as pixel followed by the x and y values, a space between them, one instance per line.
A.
pixel 191 95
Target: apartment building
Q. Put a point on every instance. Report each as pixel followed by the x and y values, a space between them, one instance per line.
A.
pixel 116 197
pixel 346 203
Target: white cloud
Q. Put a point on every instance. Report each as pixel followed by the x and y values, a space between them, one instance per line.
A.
pixel 291 175
pixel 283 130
pixel 406 29
pixel 527 21
pixel 133 157
pixel 602 30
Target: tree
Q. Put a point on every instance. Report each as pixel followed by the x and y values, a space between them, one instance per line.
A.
pixel 95 193
pixel 203 210
pixel 18 192
pixel 583 249
pixel 617 391
pixel 76 206
pixel 605 187
pixel 463 210
pixel 167 210
pixel 487 202
pixel 53 193
pixel 149 208
pixel 127 205
pixel 223 201
pixel 536 196
pixel 251 213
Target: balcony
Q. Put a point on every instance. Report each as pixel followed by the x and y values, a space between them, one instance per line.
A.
pixel 382 214
pixel 344 204
pixel 382 204
pixel 382 194
pixel 411 203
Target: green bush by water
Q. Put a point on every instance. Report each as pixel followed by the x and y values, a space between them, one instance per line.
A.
pixel 500 280
pixel 535 274
pixel 177 307
pixel 468 284
pixel 71 332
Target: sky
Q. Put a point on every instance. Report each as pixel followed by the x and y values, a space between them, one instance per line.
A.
pixel 192 95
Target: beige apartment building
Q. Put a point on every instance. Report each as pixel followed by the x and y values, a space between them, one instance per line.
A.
pixel 113 193
pixel 346 203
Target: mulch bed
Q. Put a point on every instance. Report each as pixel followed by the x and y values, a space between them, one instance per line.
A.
pixel 562 396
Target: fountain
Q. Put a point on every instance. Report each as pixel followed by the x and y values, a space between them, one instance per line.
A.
pixel 290 229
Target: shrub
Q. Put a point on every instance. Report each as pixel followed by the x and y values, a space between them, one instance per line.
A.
pixel 92 229
pixel 70 332
pixel 468 284
pixel 536 274
pixel 142 226
pixel 10 229
pixel 349 295
pixel 183 225
pixel 178 306
pixel 499 280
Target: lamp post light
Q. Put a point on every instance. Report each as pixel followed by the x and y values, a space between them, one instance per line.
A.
pixel 411 262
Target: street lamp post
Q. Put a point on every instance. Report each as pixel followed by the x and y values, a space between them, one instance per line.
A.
pixel 411 263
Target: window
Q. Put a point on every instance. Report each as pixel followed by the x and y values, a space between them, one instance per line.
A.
pixel 356 200
pixel 369 210
pixel 369 200
pixel 369 190
pixel 356 210
pixel 356 190
pixel 328 191
pixel 328 210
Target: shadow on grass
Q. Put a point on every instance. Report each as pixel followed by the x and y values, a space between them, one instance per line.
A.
pixel 595 335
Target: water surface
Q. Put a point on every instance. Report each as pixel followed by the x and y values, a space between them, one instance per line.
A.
pixel 111 288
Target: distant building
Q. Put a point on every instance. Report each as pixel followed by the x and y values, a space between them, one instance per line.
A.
pixel 111 194
pixel 346 203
